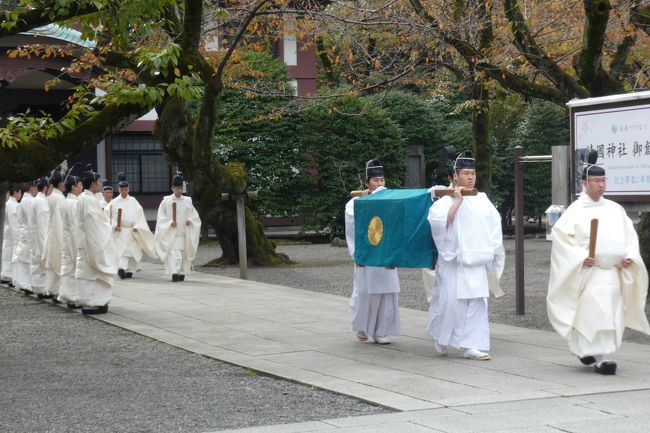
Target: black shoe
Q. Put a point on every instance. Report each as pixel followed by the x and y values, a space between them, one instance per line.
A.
pixel 26 292
pixel 588 360
pixel 181 277
pixel 121 273
pixel 606 368
pixel 5 282
pixel 55 301
pixel 95 310
pixel 44 296
pixel 175 277
pixel 73 306
pixel 129 275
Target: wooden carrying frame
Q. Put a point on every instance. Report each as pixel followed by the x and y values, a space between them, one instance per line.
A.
pixel 441 192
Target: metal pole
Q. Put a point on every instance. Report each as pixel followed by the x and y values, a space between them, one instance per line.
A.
pixel 241 234
pixel 519 231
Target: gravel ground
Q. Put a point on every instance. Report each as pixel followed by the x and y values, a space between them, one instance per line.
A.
pixel 326 268
pixel 63 372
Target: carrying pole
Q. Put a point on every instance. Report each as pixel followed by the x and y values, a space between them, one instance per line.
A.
pixel 519 231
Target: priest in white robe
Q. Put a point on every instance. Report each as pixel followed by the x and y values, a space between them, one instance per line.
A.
pixel 22 251
pixel 374 304
pixel 467 234
pixel 70 226
pixel 96 260
pixel 178 228
pixel 131 232
pixel 591 300
pixel 106 196
pixel 10 237
pixel 51 258
pixel 38 219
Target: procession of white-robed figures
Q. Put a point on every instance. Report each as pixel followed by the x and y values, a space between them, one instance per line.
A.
pixel 66 237
pixel 598 282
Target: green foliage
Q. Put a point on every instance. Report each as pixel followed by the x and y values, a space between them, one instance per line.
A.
pixel 453 128
pixel 544 124
pixel 643 230
pixel 506 112
pixel 338 139
pixel 304 161
pixel 159 61
pixel 263 133
pixel 419 123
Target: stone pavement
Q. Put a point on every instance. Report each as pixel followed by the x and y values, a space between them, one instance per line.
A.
pixel 532 384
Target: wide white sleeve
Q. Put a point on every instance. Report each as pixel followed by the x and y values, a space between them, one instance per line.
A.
pixel 443 234
pixel 565 279
pixel 165 233
pixel 142 234
pixel 496 237
pixel 349 226
pixel 192 231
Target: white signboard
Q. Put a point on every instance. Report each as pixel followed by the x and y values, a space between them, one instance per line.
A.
pixel 622 138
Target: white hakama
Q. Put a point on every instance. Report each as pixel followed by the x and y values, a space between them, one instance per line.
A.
pixel 51 258
pixel 22 250
pixel 457 322
pixel 469 248
pixel 38 219
pixel 67 291
pixel 374 304
pixel 96 264
pixel 10 239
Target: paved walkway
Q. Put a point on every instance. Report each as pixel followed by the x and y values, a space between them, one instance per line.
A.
pixel 532 384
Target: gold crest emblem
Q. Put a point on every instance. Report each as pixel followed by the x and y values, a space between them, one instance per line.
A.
pixel 375 231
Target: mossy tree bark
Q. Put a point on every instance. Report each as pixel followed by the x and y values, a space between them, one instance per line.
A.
pixel 187 138
pixel 643 230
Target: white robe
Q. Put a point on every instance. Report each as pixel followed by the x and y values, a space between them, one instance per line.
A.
pixel 38 219
pixel 134 236
pixel 469 248
pixel 103 203
pixel 67 292
pixel 374 304
pixel 96 265
pixel 10 238
pixel 590 307
pixel 177 246
pixel 22 250
pixel 51 258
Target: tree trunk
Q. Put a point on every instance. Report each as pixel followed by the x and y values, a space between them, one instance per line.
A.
pixel 643 230
pixel 222 217
pixel 208 181
pixel 481 133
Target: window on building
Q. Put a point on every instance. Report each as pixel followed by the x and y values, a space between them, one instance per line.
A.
pixel 141 158
pixel 290 44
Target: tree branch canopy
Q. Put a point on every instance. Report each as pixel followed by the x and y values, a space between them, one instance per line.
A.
pixel 35 159
pixel 28 19
pixel 473 56
pixel 526 44
pixel 640 16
